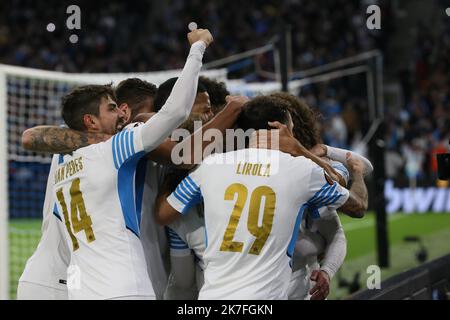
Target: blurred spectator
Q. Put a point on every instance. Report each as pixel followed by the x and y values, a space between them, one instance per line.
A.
pixel 140 36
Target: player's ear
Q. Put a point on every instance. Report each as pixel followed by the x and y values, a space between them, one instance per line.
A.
pixel 290 124
pixel 125 108
pixel 90 122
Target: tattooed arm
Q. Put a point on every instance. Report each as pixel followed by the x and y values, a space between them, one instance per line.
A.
pixel 53 139
pixel 357 202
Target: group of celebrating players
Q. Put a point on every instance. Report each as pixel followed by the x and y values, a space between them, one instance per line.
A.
pixel 121 220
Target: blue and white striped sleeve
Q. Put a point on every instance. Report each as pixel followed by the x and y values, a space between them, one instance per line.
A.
pixel 324 192
pixel 342 170
pixel 187 193
pixel 127 144
pixel 178 247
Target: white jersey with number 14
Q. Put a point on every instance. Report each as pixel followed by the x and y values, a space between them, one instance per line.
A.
pixel 98 198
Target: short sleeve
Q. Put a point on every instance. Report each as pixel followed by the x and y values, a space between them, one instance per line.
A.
pixel 324 192
pixel 127 144
pixel 187 193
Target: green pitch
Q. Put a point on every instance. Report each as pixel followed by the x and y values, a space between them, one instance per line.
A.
pixel 434 230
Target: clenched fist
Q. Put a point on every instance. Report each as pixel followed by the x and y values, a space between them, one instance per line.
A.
pixel 200 34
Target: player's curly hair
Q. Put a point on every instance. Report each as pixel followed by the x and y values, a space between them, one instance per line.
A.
pixel 84 100
pixel 257 112
pixel 217 92
pixel 306 129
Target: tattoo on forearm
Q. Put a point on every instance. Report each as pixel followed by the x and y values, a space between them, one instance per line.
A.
pixel 357 201
pixel 61 140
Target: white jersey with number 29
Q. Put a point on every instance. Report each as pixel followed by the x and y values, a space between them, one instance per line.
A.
pixel 253 210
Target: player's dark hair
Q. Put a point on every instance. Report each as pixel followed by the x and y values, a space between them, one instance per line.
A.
pixel 164 91
pixel 84 100
pixel 306 129
pixel 259 111
pixel 217 92
pixel 135 92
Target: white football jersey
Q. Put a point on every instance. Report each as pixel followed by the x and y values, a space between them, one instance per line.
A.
pixel 48 264
pixel 99 199
pixel 253 210
pixel 311 242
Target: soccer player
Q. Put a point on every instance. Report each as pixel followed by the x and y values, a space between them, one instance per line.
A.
pixel 323 237
pixel 328 239
pixel 98 187
pixel 45 273
pixel 135 96
pixel 248 251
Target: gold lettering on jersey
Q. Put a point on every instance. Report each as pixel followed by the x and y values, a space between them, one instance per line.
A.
pixel 253 169
pixel 69 169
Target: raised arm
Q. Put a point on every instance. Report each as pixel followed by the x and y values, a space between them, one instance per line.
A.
pixel 179 104
pixel 57 140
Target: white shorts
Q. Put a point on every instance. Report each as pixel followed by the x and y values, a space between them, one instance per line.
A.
pixel 32 291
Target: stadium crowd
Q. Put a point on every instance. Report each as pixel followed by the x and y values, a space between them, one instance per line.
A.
pixel 422 128
pixel 120 42
pixel 413 135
